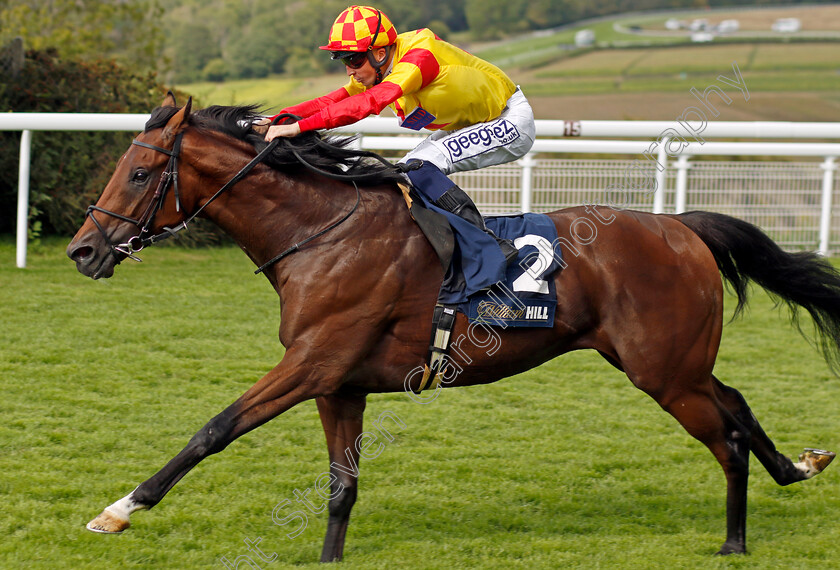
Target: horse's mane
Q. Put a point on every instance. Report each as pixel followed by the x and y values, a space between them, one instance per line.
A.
pixel 329 154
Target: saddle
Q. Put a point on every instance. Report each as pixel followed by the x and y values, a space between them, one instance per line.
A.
pixel 522 295
pixel 434 226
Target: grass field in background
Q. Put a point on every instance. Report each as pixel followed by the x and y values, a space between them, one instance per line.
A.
pixel 766 68
pixel 538 48
pixel 779 73
pixel 565 466
pixel 790 60
pixel 824 17
pixel 272 91
pixel 628 76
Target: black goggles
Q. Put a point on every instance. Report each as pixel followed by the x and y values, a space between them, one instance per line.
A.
pixel 353 60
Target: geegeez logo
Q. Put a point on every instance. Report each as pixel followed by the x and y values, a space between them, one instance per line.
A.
pixel 469 143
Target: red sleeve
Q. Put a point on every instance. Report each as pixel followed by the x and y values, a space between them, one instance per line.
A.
pixel 309 108
pixel 354 108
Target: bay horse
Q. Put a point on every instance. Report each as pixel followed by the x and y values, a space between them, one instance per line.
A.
pixel 356 297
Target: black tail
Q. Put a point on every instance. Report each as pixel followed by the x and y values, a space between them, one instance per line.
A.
pixel 803 279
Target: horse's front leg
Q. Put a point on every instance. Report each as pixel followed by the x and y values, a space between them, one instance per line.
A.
pixel 341 415
pixel 288 384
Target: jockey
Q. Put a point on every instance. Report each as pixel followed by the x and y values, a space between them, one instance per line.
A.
pixel 479 116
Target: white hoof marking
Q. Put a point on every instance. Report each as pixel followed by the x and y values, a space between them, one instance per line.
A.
pixel 115 518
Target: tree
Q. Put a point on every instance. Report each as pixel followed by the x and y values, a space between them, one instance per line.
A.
pixel 490 19
pixel 130 31
pixel 69 169
pixel 549 13
pixel 215 70
pixel 413 15
pixel 191 48
pixel 257 52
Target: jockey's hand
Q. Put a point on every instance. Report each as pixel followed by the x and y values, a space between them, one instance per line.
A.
pixel 275 131
pixel 261 126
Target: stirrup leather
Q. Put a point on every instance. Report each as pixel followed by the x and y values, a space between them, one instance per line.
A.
pixel 443 321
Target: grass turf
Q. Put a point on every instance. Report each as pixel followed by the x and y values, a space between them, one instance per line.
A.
pixel 564 466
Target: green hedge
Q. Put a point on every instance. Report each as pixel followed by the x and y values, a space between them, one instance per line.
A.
pixel 69 169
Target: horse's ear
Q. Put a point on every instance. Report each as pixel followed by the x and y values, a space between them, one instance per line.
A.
pixel 169 100
pixel 178 122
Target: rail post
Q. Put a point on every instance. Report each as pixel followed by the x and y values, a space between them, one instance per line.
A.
pixel 661 168
pixel 23 197
pixel 682 184
pixel 528 162
pixel 825 209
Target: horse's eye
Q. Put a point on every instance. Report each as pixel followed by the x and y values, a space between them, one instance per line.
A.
pixel 140 176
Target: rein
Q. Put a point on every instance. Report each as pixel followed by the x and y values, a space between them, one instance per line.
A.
pixel 297 246
pixel 169 177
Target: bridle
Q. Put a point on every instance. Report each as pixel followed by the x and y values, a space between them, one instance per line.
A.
pixel 169 178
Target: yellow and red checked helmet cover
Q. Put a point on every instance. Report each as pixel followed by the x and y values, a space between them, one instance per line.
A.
pixel 355 27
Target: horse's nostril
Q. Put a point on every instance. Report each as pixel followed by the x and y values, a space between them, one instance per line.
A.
pixel 80 254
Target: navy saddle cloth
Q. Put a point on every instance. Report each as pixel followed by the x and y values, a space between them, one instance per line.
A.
pixel 526 296
pixel 488 290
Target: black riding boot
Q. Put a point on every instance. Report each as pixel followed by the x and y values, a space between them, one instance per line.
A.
pixel 438 188
pixel 459 203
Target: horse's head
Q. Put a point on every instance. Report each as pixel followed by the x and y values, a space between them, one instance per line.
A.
pixel 140 204
pixel 139 200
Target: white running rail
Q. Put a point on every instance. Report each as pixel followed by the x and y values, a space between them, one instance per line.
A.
pixel 661 150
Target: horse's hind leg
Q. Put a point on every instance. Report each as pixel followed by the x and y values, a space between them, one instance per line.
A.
pixel 707 420
pixel 722 420
pixel 783 470
pixel 341 416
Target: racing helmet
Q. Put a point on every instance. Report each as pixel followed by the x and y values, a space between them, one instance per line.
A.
pixel 360 28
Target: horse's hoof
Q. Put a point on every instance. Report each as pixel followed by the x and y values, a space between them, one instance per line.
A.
pixel 108 523
pixel 728 548
pixel 814 461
